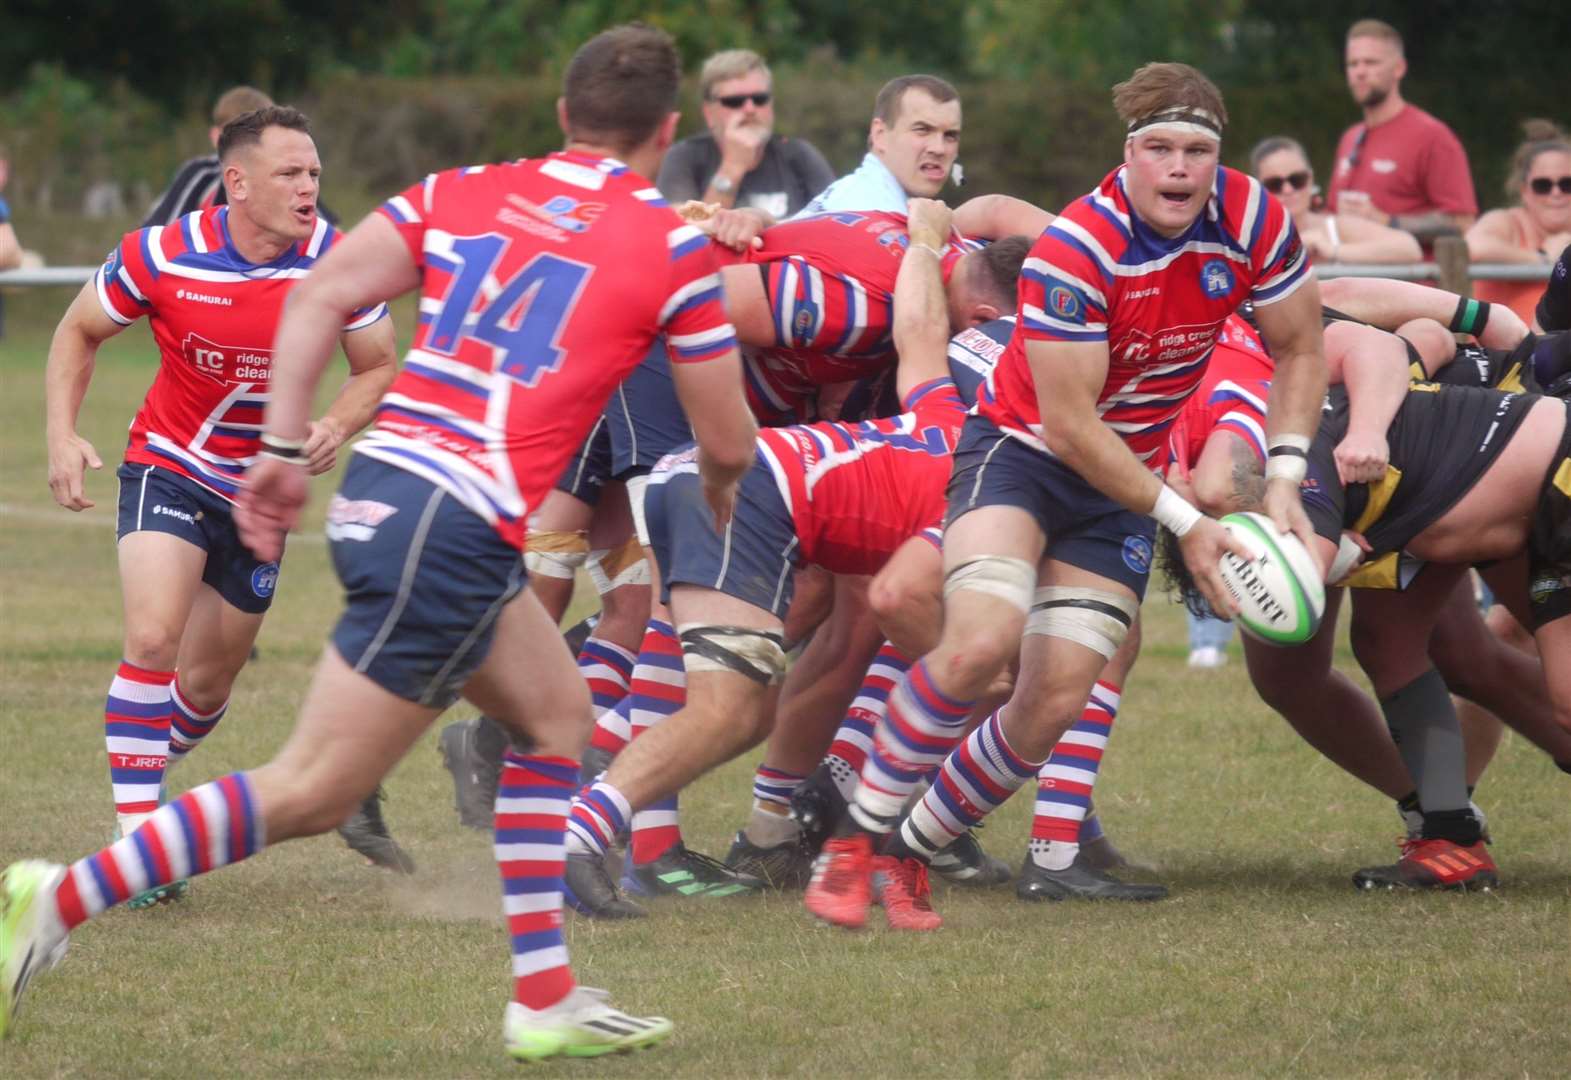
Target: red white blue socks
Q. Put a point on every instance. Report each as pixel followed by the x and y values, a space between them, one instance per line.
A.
pixel 188 726
pixel 206 828
pixel 975 780
pixel 659 688
pixel 922 725
pixel 854 739
pixel 770 824
pixel 136 737
pixel 608 669
pixel 598 814
pixel 1064 785
pixel 531 828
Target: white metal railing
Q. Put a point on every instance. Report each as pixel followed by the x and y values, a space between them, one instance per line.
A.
pixel 48 275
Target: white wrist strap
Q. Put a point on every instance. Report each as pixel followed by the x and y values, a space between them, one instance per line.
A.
pixel 1173 512
pixel 1288 458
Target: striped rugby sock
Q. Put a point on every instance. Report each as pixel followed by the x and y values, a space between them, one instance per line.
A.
pixel 921 727
pixel 773 788
pixel 976 778
pixel 136 737
pixel 531 832
pixel 1064 785
pixel 613 728
pixel 854 739
pixel 188 727
pixel 597 814
pixel 659 688
pixel 206 828
pixel 608 669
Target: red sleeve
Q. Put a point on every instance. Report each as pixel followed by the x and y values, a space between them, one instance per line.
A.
pixel 408 211
pixel 1063 290
pixel 125 281
pixel 1447 181
pixel 693 316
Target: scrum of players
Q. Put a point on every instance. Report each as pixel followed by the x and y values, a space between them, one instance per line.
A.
pixel 879 486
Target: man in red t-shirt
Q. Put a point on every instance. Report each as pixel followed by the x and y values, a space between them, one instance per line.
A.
pixel 1400 166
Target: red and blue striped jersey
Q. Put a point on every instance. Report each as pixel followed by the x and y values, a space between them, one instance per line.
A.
pixel 1232 396
pixel 857 491
pixel 544 281
pixel 1100 274
pixel 830 280
pixel 213 315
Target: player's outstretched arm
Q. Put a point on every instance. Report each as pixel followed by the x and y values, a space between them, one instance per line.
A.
pixel 711 394
pixel 993 217
pixel 921 321
pixel 1374 366
pixel 1387 303
pixel 1291 329
pixel 72 354
pixel 1069 377
pixel 372 352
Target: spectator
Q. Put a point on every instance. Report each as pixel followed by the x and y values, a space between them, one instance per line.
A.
pixel 740 160
pixel 1284 169
pixel 199 183
pixel 10 248
pixel 1400 166
pixel 1538 227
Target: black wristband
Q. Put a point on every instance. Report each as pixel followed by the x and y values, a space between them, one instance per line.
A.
pixel 1288 451
pixel 282 449
pixel 1470 316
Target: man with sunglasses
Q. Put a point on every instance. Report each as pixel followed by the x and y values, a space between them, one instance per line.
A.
pixel 1400 166
pixel 740 161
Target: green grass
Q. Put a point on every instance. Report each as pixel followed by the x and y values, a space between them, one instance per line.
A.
pixel 304 962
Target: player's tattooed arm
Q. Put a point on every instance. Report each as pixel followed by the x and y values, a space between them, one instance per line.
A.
pixel 1249 480
pixel 72 353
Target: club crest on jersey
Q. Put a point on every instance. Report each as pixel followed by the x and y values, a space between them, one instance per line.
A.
pixel 568 213
pixel 1216 278
pixel 1137 554
pixel 1063 302
pixel 264 579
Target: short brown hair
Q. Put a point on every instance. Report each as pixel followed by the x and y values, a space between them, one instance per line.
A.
pixel 246 129
pixel 728 65
pixel 996 270
pixel 1160 86
pixel 886 106
pixel 1273 144
pixel 238 101
pixel 1375 28
pixel 1539 137
pixel 621 84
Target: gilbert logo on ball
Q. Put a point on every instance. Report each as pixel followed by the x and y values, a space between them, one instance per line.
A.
pixel 1279 592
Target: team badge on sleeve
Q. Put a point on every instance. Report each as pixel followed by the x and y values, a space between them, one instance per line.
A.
pixel 1065 303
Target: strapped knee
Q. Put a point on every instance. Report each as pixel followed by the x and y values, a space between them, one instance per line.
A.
pixel 758 654
pixel 550 553
pixel 618 566
pixel 1095 618
pixel 996 575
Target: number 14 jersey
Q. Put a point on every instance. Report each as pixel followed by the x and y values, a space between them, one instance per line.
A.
pixel 543 283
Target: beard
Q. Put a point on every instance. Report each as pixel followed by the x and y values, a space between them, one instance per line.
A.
pixel 1375 97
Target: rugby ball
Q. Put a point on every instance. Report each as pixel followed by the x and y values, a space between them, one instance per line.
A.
pixel 1279 592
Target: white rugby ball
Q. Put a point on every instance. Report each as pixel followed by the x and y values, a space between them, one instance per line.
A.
pixel 1279 592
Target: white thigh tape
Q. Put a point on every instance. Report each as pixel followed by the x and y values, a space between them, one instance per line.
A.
pixel 1095 618
pixel 996 575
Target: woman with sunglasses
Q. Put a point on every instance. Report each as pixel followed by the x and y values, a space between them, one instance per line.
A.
pixel 1538 227
pixel 1283 169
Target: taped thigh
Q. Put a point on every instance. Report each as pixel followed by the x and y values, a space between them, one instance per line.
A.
pixel 758 654
pixel 1007 578
pixel 622 565
pixel 1095 618
pixel 555 554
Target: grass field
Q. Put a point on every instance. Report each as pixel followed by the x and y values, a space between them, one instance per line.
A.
pixel 303 962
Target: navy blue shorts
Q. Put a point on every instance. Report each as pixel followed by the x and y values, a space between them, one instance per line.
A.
pixel 156 499
pixel 1084 528
pixel 645 417
pixel 424 580
pixel 752 560
pixel 586 475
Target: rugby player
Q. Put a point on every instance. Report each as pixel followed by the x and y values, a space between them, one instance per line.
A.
pixel 839 495
pixel 212 286
pixel 1121 301
pixel 501 385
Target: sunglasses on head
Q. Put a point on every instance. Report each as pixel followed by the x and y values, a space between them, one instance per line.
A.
pixel 736 101
pixel 1297 181
pixel 1543 185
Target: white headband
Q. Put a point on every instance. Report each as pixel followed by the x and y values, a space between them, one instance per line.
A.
pixel 1185 119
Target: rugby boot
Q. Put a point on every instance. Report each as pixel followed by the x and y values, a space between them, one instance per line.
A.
pixel 596 760
pixel 963 862
pixel 472 752
pixel 818 807
pixel 901 888
pixel 588 889
pixel 366 832
pixel 1079 881
pixel 841 887
pixel 782 866
pixel 583 1024
pixel 1434 864
pixel 31 937
pixel 680 872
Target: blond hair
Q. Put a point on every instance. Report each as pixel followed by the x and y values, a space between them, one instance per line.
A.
pixel 237 102
pixel 728 65
pixel 1380 31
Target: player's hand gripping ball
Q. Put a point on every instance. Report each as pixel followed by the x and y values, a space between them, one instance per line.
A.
pixel 1279 592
